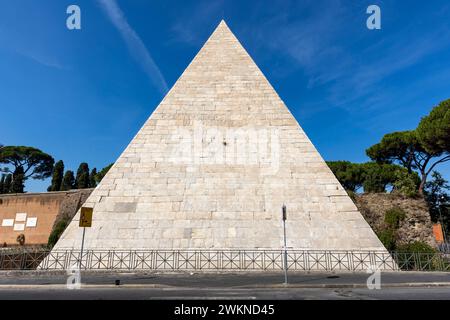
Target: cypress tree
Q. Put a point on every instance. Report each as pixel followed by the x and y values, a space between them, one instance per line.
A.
pixel 82 179
pixel 68 182
pixel 2 184
pixel 102 173
pixel 7 183
pixel 57 176
pixel 92 177
pixel 18 185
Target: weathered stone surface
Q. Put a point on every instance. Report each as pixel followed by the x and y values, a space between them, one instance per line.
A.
pixel 157 196
pixel 416 226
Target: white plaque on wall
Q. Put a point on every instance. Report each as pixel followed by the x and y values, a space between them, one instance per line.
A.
pixel 7 222
pixel 32 222
pixel 21 216
pixel 19 226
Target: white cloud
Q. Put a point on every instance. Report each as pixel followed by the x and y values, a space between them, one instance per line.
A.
pixel 320 44
pixel 134 43
pixel 41 59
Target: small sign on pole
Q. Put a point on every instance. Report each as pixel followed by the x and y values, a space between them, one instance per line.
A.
pixel 85 222
pixel 86 217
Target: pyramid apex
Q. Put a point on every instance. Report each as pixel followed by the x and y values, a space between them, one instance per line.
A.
pixel 222 31
pixel 222 25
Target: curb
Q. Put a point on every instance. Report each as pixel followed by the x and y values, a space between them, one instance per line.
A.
pixel 352 285
pixel 201 272
pixel 274 286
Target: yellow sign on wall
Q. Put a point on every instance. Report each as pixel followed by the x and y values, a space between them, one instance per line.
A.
pixel 86 217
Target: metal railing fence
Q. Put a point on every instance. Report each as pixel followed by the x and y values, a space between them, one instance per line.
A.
pixel 179 260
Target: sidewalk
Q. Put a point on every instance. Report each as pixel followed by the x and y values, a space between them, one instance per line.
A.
pixel 10 279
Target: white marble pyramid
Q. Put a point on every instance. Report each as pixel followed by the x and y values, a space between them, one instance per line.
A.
pixel 212 167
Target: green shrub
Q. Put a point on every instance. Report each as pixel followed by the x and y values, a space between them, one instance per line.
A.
pixel 392 219
pixel 416 247
pixel 387 237
pixel 57 232
pixel 420 256
pixel 352 195
pixel 393 216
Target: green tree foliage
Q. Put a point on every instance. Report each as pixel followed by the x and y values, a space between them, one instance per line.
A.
pixel 415 150
pixel 349 174
pixel 82 178
pixel 376 177
pixel 371 176
pixel 68 182
pixel 438 199
pixel 35 163
pixel 387 238
pixel 406 183
pixel 403 148
pixel 57 176
pixel 18 177
pixel 433 134
pixel 425 257
pixel 92 181
pixel 99 176
pixel 2 184
pixel 393 217
pixel 416 247
pixel 395 147
pixel 7 183
pixel 433 131
pixel 57 232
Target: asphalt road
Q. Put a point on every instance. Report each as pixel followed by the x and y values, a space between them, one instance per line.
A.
pixel 223 286
pixel 220 280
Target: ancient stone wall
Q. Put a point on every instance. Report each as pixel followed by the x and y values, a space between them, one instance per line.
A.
pixel 34 214
pixel 71 203
pixel 417 224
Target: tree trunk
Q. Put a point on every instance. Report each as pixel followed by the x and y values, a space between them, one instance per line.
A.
pixel 422 183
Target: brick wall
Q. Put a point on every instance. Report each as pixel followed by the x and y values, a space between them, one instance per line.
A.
pixel 34 214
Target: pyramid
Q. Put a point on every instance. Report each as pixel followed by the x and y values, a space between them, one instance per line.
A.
pixel 212 167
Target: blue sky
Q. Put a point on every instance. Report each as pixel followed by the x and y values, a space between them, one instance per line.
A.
pixel 81 95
